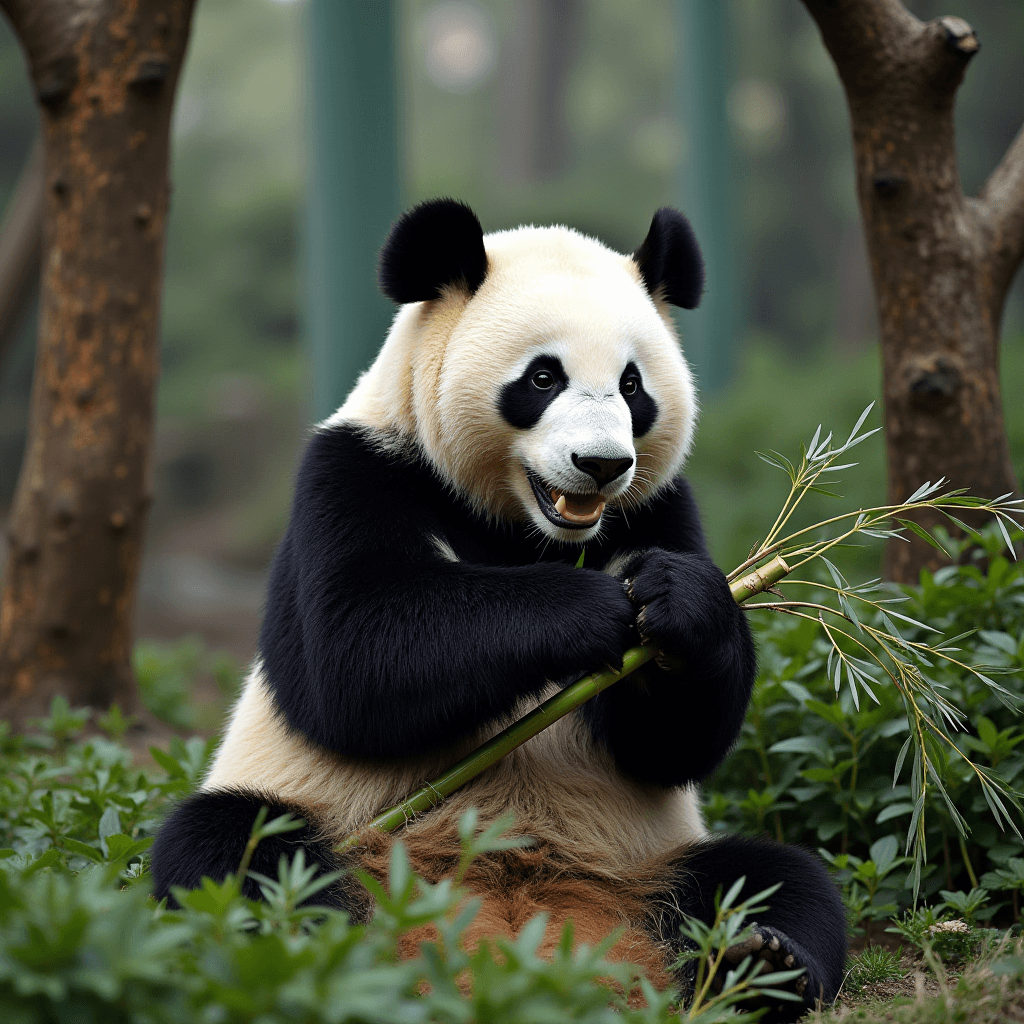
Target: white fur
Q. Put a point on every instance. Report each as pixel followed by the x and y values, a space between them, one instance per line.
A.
pixel 561 786
pixel 438 377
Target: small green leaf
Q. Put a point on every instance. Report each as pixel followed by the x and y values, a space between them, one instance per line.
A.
pixel 82 850
pixel 168 763
pixel 800 745
pixel 47 860
pixel 110 823
pixel 883 852
pixel 893 811
pixel 921 532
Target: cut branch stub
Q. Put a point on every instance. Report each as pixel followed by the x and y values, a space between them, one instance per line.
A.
pixel 940 264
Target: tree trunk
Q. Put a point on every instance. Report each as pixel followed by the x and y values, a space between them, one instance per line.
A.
pixel 104 74
pixel 941 263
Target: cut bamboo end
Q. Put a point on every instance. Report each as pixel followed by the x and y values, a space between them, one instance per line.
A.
pixel 757 581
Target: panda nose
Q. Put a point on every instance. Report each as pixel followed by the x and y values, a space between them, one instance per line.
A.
pixel 604 471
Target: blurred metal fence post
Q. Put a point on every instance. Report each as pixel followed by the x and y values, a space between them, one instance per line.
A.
pixel 706 186
pixel 353 182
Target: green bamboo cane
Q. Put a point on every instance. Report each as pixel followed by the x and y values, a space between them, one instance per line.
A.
pixel 550 711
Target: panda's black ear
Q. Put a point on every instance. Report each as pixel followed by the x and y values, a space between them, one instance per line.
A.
pixel 669 259
pixel 437 243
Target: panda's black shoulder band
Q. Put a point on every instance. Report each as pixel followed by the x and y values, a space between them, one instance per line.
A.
pixel 669 259
pixel 438 243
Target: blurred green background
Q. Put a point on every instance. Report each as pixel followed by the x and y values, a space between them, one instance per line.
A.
pixel 599 147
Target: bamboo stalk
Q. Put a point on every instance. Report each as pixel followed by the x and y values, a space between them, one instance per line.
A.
pixel 545 714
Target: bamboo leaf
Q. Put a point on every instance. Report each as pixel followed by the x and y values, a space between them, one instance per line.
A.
pixel 860 422
pixel 915 817
pixel 847 607
pixel 923 534
pixel 900 759
pixel 837 576
pixel 771 462
pixel 959 522
pixel 857 440
pixel 919 493
pixel 1006 536
pixel 853 686
pixel 814 442
pixel 822 450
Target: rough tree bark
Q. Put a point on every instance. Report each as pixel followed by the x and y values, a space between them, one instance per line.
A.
pixel 21 235
pixel 104 73
pixel 941 263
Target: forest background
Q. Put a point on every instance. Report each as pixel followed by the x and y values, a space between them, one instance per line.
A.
pixel 234 401
pixel 600 149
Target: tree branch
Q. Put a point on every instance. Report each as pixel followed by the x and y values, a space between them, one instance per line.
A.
pixel 21 238
pixel 864 38
pixel 871 41
pixel 1000 208
pixel 47 32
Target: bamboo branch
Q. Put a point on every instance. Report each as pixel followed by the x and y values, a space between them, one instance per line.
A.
pixel 541 717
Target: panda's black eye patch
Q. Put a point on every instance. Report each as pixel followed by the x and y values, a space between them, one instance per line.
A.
pixel 642 408
pixel 522 401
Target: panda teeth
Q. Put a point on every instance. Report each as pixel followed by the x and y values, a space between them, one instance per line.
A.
pixel 581 516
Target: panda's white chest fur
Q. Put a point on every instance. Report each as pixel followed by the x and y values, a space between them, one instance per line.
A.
pixel 561 787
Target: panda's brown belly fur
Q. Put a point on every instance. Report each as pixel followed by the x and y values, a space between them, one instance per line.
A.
pixel 514 886
pixel 600 841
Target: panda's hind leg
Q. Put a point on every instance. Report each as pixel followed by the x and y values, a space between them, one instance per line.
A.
pixel 804 925
pixel 206 835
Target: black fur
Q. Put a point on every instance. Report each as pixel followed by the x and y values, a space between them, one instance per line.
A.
pixel 669 259
pixel 522 403
pixel 207 834
pixel 642 408
pixel 435 244
pixel 686 609
pixel 375 645
pixel 805 914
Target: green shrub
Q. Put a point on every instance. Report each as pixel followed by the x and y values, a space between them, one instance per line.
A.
pixel 81 940
pixel 812 768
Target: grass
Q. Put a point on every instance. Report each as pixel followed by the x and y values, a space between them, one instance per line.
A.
pixel 989 991
pixel 873 965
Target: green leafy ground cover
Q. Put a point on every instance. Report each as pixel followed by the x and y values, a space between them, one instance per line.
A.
pixel 80 939
pixel 814 769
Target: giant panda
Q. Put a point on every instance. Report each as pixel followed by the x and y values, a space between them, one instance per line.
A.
pixel 531 401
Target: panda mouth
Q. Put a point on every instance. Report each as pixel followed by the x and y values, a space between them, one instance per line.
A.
pixel 568 511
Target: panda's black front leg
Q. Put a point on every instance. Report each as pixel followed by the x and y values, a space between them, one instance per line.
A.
pixel 802 928
pixel 674 721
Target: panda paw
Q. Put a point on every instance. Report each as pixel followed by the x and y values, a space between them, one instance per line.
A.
pixel 599 625
pixel 685 607
pixel 779 953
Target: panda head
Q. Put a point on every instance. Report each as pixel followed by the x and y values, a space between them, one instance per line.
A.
pixel 536 369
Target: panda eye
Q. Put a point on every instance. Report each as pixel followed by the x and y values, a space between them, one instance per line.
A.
pixel 630 386
pixel 543 380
